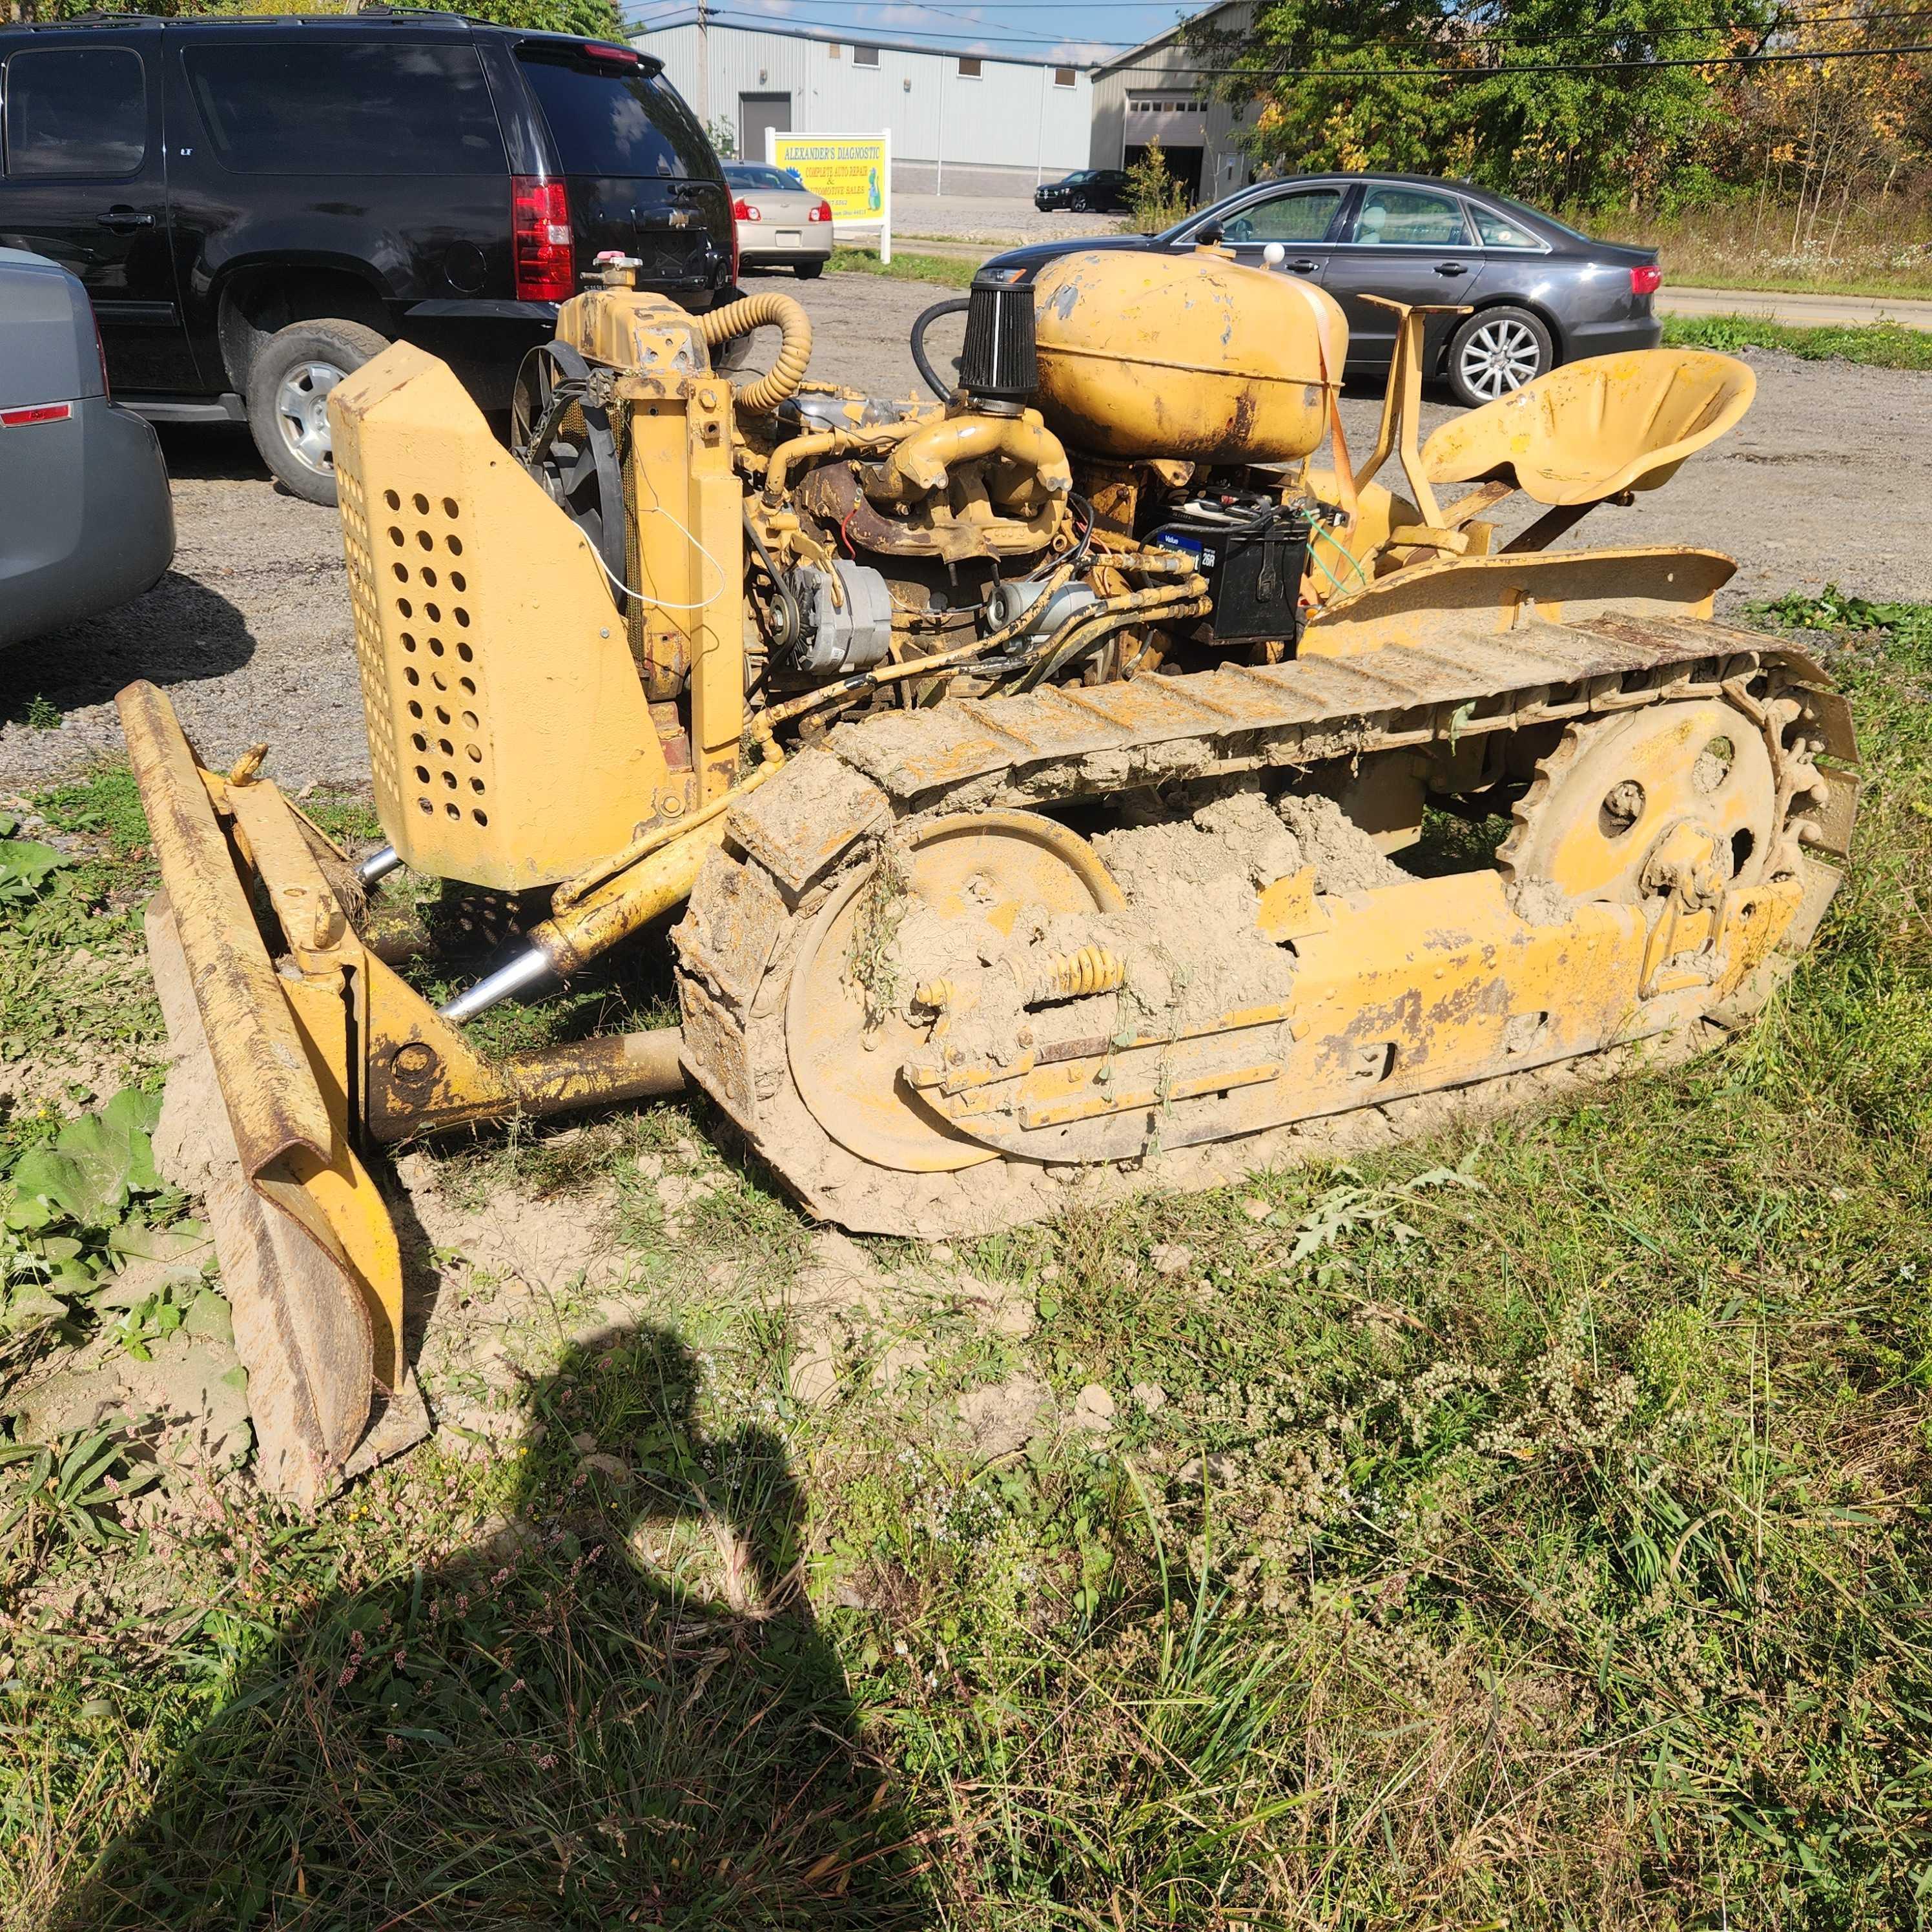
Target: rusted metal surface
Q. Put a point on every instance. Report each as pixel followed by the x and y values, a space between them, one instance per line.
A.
pixel 1191 357
pixel 299 1228
pixel 962 522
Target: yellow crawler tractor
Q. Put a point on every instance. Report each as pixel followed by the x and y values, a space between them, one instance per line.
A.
pixel 1054 778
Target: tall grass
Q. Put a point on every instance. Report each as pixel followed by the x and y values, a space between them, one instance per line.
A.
pixel 1871 248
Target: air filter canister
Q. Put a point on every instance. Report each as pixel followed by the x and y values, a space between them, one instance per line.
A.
pixel 998 364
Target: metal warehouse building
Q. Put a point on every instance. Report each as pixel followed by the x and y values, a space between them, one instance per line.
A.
pixel 961 123
pixel 1154 92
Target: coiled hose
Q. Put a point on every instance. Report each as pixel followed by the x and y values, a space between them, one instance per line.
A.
pixel 764 393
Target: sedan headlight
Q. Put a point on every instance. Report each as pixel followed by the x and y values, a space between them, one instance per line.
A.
pixel 1003 276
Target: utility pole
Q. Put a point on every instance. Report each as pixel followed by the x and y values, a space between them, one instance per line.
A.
pixel 704 68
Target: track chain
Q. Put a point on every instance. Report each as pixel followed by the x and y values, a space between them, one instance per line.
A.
pixel 791 842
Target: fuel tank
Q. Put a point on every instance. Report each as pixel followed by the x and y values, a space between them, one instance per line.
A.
pixel 1190 356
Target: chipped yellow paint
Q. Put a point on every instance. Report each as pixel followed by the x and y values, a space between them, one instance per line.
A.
pixel 498 759
pixel 1191 356
pixel 1405 989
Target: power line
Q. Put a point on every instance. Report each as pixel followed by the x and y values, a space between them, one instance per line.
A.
pixel 774 23
pixel 1331 73
pixel 1477 36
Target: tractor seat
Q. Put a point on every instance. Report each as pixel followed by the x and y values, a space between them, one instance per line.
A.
pixel 1592 430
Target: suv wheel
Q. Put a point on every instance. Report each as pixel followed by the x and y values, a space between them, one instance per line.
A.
pixel 289 383
pixel 1496 351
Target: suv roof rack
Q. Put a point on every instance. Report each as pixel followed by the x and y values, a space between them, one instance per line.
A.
pixel 371 10
pixel 376 11
pixel 99 16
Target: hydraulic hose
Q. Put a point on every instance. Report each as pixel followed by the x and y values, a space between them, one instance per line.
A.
pixel 764 394
pixel 924 321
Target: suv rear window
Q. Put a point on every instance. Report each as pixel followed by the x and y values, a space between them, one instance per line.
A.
pixel 611 120
pixel 301 105
pixel 77 112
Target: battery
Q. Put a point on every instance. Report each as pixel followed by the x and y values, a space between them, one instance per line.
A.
pixel 1252 551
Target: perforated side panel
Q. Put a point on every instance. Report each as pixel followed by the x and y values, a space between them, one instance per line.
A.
pixel 365 605
pixel 442 741
pixel 508 735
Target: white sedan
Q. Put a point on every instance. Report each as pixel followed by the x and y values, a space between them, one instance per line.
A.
pixel 781 223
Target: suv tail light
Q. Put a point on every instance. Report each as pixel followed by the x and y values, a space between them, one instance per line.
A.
pixel 742 211
pixel 1647 280
pixel 823 212
pixel 540 240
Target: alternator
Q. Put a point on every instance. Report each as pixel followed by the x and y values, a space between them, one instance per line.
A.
pixel 843 627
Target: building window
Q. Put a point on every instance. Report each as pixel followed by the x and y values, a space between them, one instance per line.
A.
pixel 969 66
pixel 1063 76
pixel 864 56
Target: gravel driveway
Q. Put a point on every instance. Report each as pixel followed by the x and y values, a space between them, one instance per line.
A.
pixel 1826 479
pixel 996 220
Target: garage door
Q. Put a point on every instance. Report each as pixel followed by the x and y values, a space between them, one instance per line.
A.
pixel 756 112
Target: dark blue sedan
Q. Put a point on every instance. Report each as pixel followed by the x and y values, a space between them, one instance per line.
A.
pixel 1539 293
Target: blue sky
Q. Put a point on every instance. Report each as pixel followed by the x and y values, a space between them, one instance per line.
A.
pixel 1083 30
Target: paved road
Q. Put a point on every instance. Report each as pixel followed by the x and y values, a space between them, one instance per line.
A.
pixel 1798 311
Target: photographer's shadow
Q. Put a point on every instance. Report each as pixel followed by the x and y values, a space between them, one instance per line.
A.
pixel 546 1729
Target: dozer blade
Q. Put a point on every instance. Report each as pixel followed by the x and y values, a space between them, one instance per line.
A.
pixel 257 1119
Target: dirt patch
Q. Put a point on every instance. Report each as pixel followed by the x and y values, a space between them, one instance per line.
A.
pixel 1238 835
pixel 500 1286
pixel 1345 857
pixel 1186 943
pixel 1002 1419
pixel 1540 902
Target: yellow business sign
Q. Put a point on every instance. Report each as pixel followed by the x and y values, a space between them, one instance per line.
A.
pixel 853 172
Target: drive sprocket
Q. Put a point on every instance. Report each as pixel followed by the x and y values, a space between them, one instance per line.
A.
pixel 1618 792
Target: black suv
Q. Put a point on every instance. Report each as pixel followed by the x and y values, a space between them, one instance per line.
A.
pixel 1085 191
pixel 256 206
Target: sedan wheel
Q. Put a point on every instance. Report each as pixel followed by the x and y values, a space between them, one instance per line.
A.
pixel 1497 352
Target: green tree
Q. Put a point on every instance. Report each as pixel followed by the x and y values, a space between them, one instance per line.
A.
pixel 1438 87
pixel 1156 199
